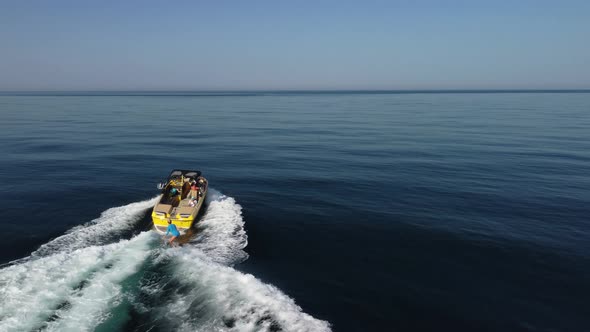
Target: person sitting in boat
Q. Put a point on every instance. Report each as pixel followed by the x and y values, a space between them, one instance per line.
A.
pixel 172 193
pixel 172 230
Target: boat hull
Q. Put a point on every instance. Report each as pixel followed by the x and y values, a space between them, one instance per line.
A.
pixel 177 203
pixel 182 224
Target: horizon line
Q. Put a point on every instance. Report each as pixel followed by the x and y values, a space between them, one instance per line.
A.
pixel 243 91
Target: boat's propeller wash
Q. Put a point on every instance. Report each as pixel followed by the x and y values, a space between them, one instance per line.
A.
pixel 89 279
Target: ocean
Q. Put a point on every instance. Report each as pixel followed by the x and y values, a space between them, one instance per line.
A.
pixel 336 210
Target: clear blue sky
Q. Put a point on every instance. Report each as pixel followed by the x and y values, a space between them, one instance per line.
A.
pixel 220 45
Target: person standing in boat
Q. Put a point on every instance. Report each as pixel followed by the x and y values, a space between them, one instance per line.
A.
pixel 194 191
pixel 172 230
pixel 201 186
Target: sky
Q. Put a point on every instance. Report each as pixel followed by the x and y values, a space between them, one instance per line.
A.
pixel 293 45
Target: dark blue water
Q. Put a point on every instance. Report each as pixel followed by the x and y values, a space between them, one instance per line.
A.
pixel 364 211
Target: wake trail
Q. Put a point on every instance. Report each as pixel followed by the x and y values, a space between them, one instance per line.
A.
pixel 220 233
pixel 202 292
pixel 89 278
pixel 101 230
pixel 213 297
pixel 69 291
pixel 62 283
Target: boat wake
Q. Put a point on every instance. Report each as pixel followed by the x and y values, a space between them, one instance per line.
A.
pixel 104 229
pixel 85 281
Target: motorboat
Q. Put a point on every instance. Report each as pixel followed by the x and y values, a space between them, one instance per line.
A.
pixel 183 194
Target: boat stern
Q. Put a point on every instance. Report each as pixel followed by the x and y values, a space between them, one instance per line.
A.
pixel 164 212
pixel 161 223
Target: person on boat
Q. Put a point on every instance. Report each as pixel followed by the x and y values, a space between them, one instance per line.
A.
pixel 194 191
pixel 172 230
pixel 201 185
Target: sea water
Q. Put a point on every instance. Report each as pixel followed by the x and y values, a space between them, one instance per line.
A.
pixel 344 211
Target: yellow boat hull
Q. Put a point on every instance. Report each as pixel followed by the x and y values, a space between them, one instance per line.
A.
pixel 178 208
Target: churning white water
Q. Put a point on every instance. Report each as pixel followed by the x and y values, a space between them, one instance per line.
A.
pixel 77 282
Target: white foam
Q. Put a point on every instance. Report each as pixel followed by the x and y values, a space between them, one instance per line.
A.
pixel 74 281
pixel 98 231
pixel 221 233
pixel 69 291
pixel 215 296
pixel 220 298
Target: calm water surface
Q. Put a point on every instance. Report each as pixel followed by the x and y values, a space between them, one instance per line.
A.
pixel 342 211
